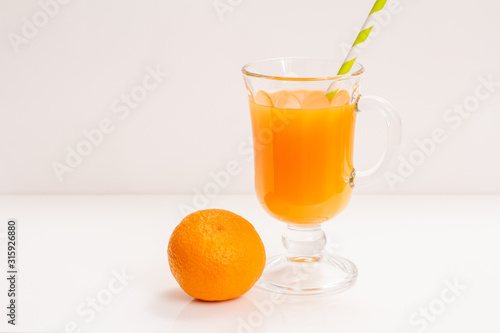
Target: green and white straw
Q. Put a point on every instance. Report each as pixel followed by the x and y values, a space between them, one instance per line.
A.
pixel 356 46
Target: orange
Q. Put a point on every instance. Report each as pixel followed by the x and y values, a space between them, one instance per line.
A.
pixel 215 255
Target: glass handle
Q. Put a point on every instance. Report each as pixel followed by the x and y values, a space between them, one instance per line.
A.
pixel 393 125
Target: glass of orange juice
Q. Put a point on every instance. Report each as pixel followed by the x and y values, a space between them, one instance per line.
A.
pixel 303 150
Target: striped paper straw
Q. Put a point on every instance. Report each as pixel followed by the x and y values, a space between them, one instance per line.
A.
pixel 355 48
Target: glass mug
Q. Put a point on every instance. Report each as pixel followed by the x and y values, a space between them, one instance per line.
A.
pixel 303 151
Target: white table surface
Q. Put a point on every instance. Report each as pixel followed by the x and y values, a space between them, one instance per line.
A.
pixel 405 247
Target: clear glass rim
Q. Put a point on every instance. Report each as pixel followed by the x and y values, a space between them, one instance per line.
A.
pixel 357 70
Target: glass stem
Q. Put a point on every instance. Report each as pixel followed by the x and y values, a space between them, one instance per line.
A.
pixel 304 244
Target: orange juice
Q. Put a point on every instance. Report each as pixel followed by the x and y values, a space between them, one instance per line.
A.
pixel 303 147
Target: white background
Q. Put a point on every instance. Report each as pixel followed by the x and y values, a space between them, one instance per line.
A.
pixel 65 78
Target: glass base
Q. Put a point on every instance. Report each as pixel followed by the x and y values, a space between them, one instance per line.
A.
pixel 306 268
